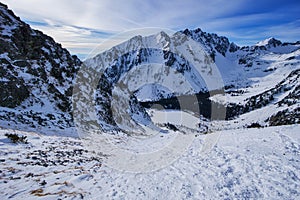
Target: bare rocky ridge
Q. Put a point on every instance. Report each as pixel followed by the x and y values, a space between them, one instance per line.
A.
pixel 36 77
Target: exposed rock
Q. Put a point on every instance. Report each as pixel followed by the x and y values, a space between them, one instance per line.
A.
pixel 36 75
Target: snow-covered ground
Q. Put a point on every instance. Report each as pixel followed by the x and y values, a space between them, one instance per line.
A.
pixel 245 163
pixel 174 160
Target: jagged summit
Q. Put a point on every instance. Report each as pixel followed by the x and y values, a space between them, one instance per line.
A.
pixel 212 41
pixel 270 42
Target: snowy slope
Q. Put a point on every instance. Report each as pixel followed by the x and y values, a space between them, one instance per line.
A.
pixel 245 163
pixel 36 78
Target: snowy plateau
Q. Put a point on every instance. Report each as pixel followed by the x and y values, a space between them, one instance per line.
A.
pixel 219 121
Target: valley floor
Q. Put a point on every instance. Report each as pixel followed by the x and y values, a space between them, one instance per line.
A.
pixel 245 163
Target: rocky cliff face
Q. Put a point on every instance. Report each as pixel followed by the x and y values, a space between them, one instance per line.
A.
pixel 212 42
pixel 36 77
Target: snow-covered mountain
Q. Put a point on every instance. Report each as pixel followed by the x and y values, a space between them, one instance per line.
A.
pixel 259 77
pixel 253 77
pixel 36 77
pixel 190 70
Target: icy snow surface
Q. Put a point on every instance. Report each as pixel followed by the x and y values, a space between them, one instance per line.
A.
pixel 245 163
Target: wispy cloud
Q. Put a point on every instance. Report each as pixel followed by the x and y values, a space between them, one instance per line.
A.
pixel 79 40
pixel 80 24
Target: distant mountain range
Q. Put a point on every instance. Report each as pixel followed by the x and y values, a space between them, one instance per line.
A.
pixel 37 78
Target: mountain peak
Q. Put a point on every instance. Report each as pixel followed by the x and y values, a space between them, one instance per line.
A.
pixel 211 41
pixel 272 42
pixel 163 38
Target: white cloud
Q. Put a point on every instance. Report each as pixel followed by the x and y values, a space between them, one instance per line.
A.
pixel 77 23
pixel 115 16
pixel 118 15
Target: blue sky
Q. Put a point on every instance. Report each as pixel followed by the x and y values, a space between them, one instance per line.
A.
pixel 81 25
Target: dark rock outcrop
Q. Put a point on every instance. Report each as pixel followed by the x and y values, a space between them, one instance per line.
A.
pixel 36 76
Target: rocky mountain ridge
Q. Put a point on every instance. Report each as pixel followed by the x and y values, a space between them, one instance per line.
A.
pixel 37 78
pixel 254 76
